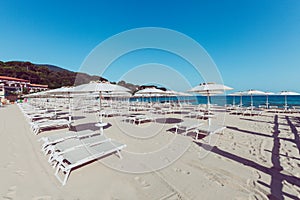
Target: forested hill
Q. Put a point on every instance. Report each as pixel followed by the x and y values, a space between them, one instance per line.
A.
pixel 50 75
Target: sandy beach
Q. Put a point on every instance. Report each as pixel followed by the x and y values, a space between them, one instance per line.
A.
pixel 257 157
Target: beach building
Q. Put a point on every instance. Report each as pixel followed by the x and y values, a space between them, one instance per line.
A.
pixel 11 85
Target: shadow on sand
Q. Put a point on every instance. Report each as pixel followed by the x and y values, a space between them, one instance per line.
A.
pixel 277 177
pixel 88 126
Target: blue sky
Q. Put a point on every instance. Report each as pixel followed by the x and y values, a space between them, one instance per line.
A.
pixel 255 44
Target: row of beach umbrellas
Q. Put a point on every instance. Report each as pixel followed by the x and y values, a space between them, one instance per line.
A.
pixel 106 89
pixel 252 93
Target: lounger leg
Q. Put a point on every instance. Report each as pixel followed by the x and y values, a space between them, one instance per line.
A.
pixel 67 173
pixel 119 154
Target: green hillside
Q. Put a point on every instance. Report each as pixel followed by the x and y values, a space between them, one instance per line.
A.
pixel 52 76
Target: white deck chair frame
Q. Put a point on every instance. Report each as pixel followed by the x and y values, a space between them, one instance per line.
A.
pixel 67 168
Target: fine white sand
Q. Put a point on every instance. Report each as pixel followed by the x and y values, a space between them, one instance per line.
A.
pixel 257 157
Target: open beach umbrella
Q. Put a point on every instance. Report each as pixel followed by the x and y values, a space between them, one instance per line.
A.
pixel 64 91
pixel 150 92
pixel 285 94
pixel 117 94
pixel 240 93
pixel 253 92
pixel 209 89
pixel 235 94
pixel 99 87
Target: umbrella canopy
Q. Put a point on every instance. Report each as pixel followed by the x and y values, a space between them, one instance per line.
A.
pixel 37 95
pixel 62 90
pixel 117 94
pixel 210 89
pixel 253 92
pixel 99 87
pixel 285 94
pixel 150 91
pixel 175 93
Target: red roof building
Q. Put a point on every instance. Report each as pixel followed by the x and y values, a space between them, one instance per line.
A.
pixel 18 85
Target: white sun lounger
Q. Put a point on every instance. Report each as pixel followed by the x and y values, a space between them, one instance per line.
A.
pixel 59 137
pixel 110 113
pixel 72 143
pixel 187 126
pixel 209 129
pixel 83 155
pixel 41 116
pixel 142 118
pixel 37 127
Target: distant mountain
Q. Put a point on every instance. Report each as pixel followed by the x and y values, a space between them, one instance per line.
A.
pixel 51 67
pixel 50 75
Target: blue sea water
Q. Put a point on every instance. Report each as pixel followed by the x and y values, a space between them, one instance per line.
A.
pixel 274 100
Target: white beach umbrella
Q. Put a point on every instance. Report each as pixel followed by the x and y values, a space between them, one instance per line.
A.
pixel 285 94
pixel 240 94
pixel 99 87
pixel 253 92
pixel 65 91
pixel 149 92
pixel 117 94
pixel 209 89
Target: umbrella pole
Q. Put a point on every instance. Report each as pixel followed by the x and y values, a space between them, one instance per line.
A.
pixel 251 102
pixel 285 104
pixel 208 107
pixel 70 117
pixel 55 105
pixel 208 102
pixel 233 100
pixel 100 106
pixel 241 101
pixel 267 102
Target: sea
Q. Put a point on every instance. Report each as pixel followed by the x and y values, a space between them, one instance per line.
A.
pixel 274 100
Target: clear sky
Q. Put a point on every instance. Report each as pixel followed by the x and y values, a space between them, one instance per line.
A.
pixel 254 43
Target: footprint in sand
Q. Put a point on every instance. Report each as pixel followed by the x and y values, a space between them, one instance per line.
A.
pixel 181 171
pixel 11 194
pixel 142 182
pixel 8 165
pixel 42 198
pixel 20 172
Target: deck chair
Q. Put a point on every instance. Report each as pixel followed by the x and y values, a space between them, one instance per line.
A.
pixel 70 144
pixel 83 155
pixel 142 118
pixel 59 137
pixel 41 116
pixel 187 126
pixel 37 127
pixel 111 113
pixel 209 129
